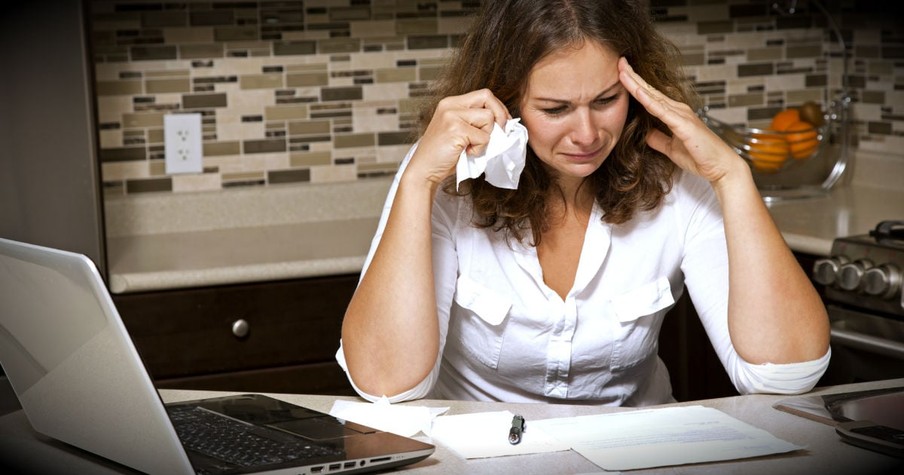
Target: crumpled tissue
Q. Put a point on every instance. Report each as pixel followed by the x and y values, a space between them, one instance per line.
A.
pixel 405 420
pixel 502 161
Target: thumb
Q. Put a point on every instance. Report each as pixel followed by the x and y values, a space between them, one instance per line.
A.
pixel 660 142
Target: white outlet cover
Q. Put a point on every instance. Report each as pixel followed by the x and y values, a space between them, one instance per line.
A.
pixel 182 143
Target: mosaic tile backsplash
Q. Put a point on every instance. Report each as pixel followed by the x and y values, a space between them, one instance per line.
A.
pixel 322 91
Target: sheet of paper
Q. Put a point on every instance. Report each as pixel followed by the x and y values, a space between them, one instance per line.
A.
pixel 662 437
pixel 405 420
pixel 485 434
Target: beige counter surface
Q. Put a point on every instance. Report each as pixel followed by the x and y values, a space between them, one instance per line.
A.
pixel 810 225
pixel 169 241
pixel 238 255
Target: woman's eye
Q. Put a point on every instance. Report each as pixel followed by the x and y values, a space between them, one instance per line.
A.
pixel 605 100
pixel 562 109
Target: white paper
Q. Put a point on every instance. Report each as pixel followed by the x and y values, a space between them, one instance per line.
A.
pixel 485 434
pixel 503 160
pixel 405 420
pixel 662 437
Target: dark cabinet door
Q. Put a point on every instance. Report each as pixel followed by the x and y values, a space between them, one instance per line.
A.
pixel 694 368
pixel 243 337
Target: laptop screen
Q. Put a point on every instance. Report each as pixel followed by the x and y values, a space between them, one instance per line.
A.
pixel 70 362
pixel 80 380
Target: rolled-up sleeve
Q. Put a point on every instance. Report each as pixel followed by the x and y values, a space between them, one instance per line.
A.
pixel 786 378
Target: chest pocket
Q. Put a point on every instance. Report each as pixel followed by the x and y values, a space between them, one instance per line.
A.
pixel 639 315
pixel 479 330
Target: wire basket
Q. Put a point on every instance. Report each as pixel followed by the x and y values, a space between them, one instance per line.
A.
pixel 770 151
pixel 796 163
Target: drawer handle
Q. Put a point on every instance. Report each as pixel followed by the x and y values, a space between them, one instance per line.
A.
pixel 240 328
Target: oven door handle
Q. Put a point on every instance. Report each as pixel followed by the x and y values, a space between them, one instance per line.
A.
pixel 869 343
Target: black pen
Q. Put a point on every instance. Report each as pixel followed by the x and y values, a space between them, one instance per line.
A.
pixel 518 426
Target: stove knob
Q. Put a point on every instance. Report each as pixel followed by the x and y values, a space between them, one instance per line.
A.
pixel 882 281
pixel 825 270
pixel 850 275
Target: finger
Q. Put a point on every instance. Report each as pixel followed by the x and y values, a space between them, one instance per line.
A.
pixel 483 101
pixel 675 115
pixel 475 140
pixel 469 129
pixel 484 98
pixel 671 148
pixel 636 85
pixel 660 142
pixel 481 118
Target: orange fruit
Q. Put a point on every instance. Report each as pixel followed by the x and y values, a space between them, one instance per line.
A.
pixel 811 112
pixel 784 119
pixel 768 152
pixel 802 139
pixel 765 167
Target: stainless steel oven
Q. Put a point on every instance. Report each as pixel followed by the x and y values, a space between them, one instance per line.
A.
pixel 864 294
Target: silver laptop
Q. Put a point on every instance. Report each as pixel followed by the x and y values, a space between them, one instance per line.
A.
pixel 80 380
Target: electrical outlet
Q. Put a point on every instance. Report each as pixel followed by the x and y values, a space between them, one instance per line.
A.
pixel 182 143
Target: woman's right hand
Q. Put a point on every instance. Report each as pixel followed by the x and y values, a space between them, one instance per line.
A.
pixel 391 330
pixel 460 123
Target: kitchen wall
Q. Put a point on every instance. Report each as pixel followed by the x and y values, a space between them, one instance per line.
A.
pixel 326 91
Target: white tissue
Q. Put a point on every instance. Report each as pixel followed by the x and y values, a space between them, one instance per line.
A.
pixel 503 160
pixel 405 420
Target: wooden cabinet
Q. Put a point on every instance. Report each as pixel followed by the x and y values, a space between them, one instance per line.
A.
pixel 694 368
pixel 263 337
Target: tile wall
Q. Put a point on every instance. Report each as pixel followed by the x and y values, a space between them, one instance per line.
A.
pixel 320 91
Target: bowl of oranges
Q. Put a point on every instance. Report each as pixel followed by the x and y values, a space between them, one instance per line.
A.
pixel 794 135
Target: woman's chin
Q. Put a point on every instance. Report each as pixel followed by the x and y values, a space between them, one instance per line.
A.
pixel 580 170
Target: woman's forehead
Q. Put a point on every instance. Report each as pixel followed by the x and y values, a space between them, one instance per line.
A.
pixel 588 67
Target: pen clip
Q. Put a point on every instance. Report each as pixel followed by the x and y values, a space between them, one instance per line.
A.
pixel 518 426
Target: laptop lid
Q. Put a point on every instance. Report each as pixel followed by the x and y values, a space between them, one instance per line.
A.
pixel 80 380
pixel 77 379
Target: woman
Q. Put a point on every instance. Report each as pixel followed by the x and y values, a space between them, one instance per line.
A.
pixel 556 291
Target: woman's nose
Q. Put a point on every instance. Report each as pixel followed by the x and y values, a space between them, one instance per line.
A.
pixel 584 129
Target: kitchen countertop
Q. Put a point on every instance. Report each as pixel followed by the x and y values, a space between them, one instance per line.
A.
pixel 238 255
pixel 170 241
pixel 810 225
pixel 285 250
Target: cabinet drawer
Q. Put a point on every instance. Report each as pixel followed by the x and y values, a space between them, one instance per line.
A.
pixel 190 332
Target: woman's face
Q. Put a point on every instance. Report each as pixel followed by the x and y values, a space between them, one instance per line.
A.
pixel 574 109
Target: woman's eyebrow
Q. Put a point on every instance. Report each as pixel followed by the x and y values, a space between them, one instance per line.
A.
pixel 609 89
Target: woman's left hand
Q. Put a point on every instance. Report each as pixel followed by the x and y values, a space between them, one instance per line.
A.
pixel 692 146
pixel 774 313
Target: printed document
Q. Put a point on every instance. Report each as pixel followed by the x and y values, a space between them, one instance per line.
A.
pixel 662 437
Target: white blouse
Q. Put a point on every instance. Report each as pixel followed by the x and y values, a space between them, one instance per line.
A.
pixel 506 336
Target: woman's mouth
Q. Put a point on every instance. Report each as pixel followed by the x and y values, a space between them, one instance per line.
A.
pixel 582 156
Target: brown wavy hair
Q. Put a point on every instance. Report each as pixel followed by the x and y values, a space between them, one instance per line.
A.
pixel 506 39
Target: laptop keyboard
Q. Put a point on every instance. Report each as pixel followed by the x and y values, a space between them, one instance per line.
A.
pixel 235 442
